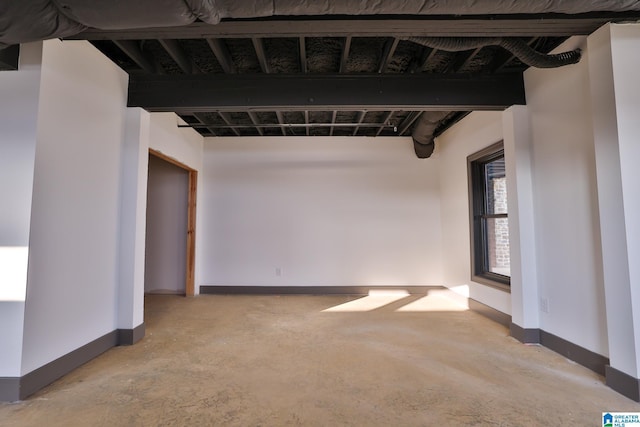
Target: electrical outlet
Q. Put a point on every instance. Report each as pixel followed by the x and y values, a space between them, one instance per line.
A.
pixel 278 271
pixel 544 305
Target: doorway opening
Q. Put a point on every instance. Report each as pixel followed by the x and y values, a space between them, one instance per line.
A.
pixel 170 230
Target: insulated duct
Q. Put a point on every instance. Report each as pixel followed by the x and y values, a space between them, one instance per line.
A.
pixel 423 139
pixel 31 20
pixel 517 47
pixel 264 8
pixel 24 21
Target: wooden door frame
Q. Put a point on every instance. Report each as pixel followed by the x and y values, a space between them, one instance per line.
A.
pixel 191 219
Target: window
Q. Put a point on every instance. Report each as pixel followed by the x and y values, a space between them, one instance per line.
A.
pixel 490 262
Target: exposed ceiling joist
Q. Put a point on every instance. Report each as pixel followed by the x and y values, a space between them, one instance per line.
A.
pixel 408 121
pixel 229 123
pixel 302 44
pixel 258 45
pixel 281 123
pixel 222 54
pixel 200 117
pixel 462 60
pixel 361 115
pixel 133 51
pixel 384 122
pixel 345 54
pixel 317 92
pixel 178 55
pixel 549 25
pixel 418 65
pixel 389 49
pixel 255 122
pixel 306 121
pixel 333 121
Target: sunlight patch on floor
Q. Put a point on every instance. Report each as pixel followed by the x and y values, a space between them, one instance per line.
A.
pixel 376 299
pixel 434 301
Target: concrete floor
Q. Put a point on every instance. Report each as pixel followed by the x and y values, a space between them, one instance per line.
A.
pixel 313 360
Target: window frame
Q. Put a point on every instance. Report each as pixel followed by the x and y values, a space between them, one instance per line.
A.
pixel 480 272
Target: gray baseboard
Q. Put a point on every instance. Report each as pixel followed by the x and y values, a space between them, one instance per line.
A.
pixel 580 355
pixel 131 336
pixel 527 336
pixel 17 388
pixel 9 389
pixel 309 290
pixel 619 381
pixel 571 351
pixel 490 312
pixel 623 383
pixel 45 375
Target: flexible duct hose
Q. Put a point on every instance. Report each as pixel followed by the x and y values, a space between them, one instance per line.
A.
pixel 423 140
pixel 422 134
pixel 517 47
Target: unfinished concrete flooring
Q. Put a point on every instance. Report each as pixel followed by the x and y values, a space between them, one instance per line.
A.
pixel 314 360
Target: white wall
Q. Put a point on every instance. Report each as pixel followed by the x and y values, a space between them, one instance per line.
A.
pixel 72 280
pixel 133 206
pixel 626 60
pixel 473 133
pixel 566 202
pixel 182 144
pixel 525 310
pixel 318 211
pixel 19 92
pixel 166 242
pixel 614 58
